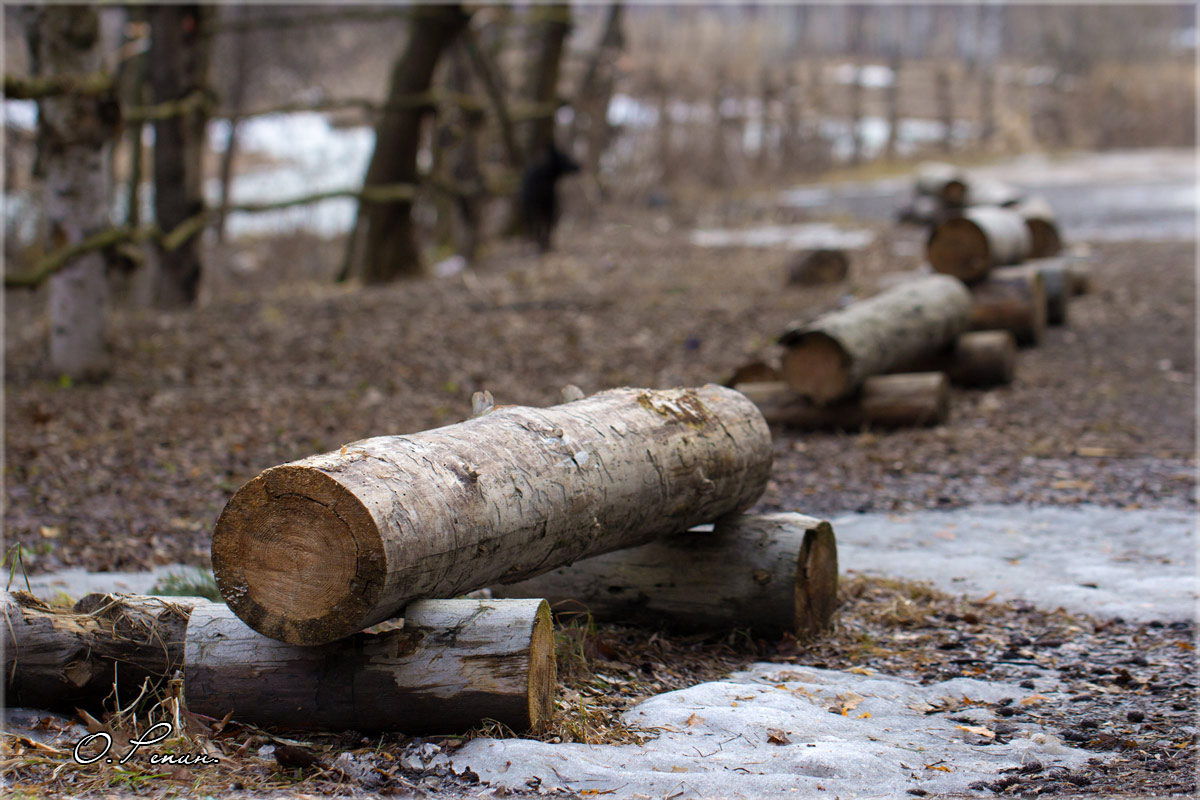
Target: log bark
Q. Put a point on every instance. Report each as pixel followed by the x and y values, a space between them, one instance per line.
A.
pixel 1079 278
pixel 315 550
pixel 976 360
pixel 1011 299
pixel 770 573
pixel 829 359
pixel 753 372
pixel 64 660
pixel 453 664
pixel 886 401
pixel 1045 240
pixel 969 246
pixel 993 193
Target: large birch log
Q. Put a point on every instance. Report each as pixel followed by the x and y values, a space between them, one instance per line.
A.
pixel 770 573
pixel 886 401
pixel 64 660
pixel 1044 239
pixel 969 246
pixel 1011 299
pixel 976 359
pixel 453 664
pixel 993 193
pixel 830 358
pixel 318 549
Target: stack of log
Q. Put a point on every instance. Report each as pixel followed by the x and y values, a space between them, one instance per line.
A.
pixel 338 570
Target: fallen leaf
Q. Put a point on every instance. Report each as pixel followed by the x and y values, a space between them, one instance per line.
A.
pixel 938 767
pixel 865 715
pixel 860 671
pixel 1032 700
pixel 694 720
pixel 977 730
pixel 776 736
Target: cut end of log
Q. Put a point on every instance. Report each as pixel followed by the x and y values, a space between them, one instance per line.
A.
pixel 817 367
pixel 1045 238
pixel 542 673
pixel 984 358
pixel 959 247
pixel 298 557
pixel 816 581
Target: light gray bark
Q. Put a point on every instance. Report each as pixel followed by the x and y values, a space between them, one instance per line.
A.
pixel 453 664
pixel 1045 239
pixel 830 358
pixel 769 573
pixel 75 135
pixel 315 550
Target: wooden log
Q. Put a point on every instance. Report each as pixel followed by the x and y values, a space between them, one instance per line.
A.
pixel 819 267
pixel 64 660
pixel 969 246
pixel 770 573
pixel 1011 299
pixel 453 664
pixel 829 359
pixel 943 181
pixel 321 548
pixel 886 401
pixel 993 193
pixel 753 372
pixel 1056 282
pixel 1045 240
pixel 976 359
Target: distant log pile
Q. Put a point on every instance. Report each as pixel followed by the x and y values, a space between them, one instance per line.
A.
pixel 887 361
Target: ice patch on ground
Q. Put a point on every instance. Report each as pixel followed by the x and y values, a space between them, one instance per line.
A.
pixel 768 731
pixel 792 237
pixel 1137 564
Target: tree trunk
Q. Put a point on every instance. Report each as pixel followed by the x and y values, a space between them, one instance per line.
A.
pixel 886 401
pixel 453 664
pixel 893 107
pixel 967 247
pixel 554 22
pixel 179 69
pixel 236 103
pixel 321 548
pixel 1043 229
pixel 945 102
pixel 1011 299
pixel 75 133
pixel 771 573
pixel 830 358
pixel 64 660
pixel 389 245
pixel 976 360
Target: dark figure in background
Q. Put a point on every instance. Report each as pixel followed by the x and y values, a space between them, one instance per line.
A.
pixel 539 193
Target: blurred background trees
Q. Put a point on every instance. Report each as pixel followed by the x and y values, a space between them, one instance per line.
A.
pixel 376 140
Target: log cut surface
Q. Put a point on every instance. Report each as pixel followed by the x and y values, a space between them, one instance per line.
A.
pixel 830 358
pixel 453 664
pixel 1011 299
pixel 770 573
pixel 318 549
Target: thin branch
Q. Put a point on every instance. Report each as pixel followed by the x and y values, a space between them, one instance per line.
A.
pixel 37 87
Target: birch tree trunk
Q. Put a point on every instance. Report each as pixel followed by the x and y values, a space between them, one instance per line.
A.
pixel 318 549
pixel 75 136
pixel 829 359
pixel 770 573
pixel 453 664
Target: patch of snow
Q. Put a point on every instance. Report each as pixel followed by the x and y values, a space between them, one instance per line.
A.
pixel 769 731
pixel 1137 564
pixel 793 237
